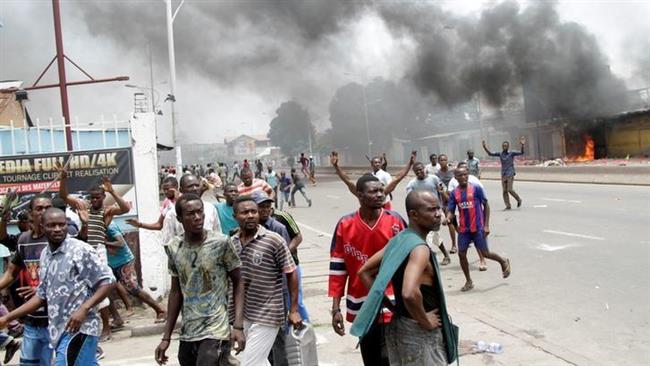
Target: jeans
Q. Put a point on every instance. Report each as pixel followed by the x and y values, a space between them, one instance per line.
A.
pixel 285 198
pixel 506 187
pixel 293 194
pixel 5 339
pixel 206 352
pixel 77 350
pixel 410 345
pixel 35 349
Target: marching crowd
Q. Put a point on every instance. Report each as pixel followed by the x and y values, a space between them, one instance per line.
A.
pixel 235 271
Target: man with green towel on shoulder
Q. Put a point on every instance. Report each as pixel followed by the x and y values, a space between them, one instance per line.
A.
pixel 420 332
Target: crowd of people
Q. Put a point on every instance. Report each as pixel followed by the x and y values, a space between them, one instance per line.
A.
pixel 386 269
pixel 235 271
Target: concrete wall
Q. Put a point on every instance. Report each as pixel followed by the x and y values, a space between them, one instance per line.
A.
pixel 618 175
pixel 145 160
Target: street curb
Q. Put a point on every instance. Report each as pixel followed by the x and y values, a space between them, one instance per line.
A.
pixel 149 330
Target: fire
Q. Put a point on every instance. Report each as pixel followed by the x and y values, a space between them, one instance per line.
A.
pixel 589 152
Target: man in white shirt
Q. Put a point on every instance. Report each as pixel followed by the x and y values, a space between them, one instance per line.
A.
pixel 382 175
pixel 434 185
pixel 172 227
pixel 433 167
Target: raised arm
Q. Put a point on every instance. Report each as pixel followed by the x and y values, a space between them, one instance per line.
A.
pixel 3 225
pixel 122 205
pixel 393 184
pixel 63 189
pixel 334 160
pixel 522 142
pixel 490 153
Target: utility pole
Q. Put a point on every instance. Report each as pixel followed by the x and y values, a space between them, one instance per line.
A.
pixel 172 76
pixel 153 106
pixel 60 63
pixel 365 114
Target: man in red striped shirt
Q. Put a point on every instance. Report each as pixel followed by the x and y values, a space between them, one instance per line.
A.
pixel 356 238
pixel 473 223
pixel 249 185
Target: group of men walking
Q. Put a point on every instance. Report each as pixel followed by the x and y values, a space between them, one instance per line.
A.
pixel 235 272
pixel 386 269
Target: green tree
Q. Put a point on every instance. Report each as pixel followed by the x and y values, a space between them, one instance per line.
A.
pixel 291 129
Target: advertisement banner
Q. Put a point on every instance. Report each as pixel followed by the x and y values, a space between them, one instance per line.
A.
pixel 29 175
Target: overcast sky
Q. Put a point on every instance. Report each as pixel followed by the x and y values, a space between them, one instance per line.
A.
pixel 253 63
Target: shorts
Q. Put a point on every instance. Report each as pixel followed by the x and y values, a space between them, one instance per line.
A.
pixel 433 240
pixel 103 259
pixel 127 276
pixel 213 352
pixel 480 242
pixel 77 349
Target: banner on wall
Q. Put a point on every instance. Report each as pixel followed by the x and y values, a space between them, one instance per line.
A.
pixel 29 175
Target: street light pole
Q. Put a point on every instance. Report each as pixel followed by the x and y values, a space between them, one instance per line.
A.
pixel 365 114
pixel 172 76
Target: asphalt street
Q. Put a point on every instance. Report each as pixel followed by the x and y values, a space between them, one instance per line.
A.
pixel 580 256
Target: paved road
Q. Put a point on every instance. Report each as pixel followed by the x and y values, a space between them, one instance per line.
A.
pixel 581 265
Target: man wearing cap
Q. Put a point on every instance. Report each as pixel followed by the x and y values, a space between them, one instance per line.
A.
pixel 265 207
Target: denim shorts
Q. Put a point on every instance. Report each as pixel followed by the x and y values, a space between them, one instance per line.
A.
pixel 76 349
pixel 35 349
pixel 480 242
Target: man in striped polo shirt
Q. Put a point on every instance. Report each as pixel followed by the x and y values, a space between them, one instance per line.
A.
pixel 249 184
pixel 473 223
pixel 265 260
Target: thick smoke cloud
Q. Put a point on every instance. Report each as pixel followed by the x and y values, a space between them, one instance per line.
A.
pixel 558 64
pixel 290 46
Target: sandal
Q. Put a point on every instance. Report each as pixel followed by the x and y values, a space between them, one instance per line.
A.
pixel 160 318
pixel 468 286
pixel 115 328
pixel 506 272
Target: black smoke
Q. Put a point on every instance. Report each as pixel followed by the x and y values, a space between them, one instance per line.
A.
pixel 505 51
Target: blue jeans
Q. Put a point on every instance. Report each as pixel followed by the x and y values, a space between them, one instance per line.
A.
pixel 36 347
pixel 302 309
pixel 77 350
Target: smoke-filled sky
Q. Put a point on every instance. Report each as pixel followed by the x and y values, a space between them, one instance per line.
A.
pixel 237 61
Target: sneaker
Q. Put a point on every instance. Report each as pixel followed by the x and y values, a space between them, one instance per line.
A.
pixel 100 353
pixel 309 203
pixel 519 203
pixel 11 349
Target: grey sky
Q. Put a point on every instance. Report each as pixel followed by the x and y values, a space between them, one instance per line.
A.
pixel 251 67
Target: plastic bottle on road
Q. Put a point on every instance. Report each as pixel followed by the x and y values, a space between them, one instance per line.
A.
pixel 482 346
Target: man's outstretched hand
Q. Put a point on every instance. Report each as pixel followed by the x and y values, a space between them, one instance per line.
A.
pixel 334 158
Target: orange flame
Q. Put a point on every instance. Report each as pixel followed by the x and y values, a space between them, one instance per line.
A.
pixel 589 152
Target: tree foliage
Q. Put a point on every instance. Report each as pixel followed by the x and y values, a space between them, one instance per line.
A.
pixel 291 128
